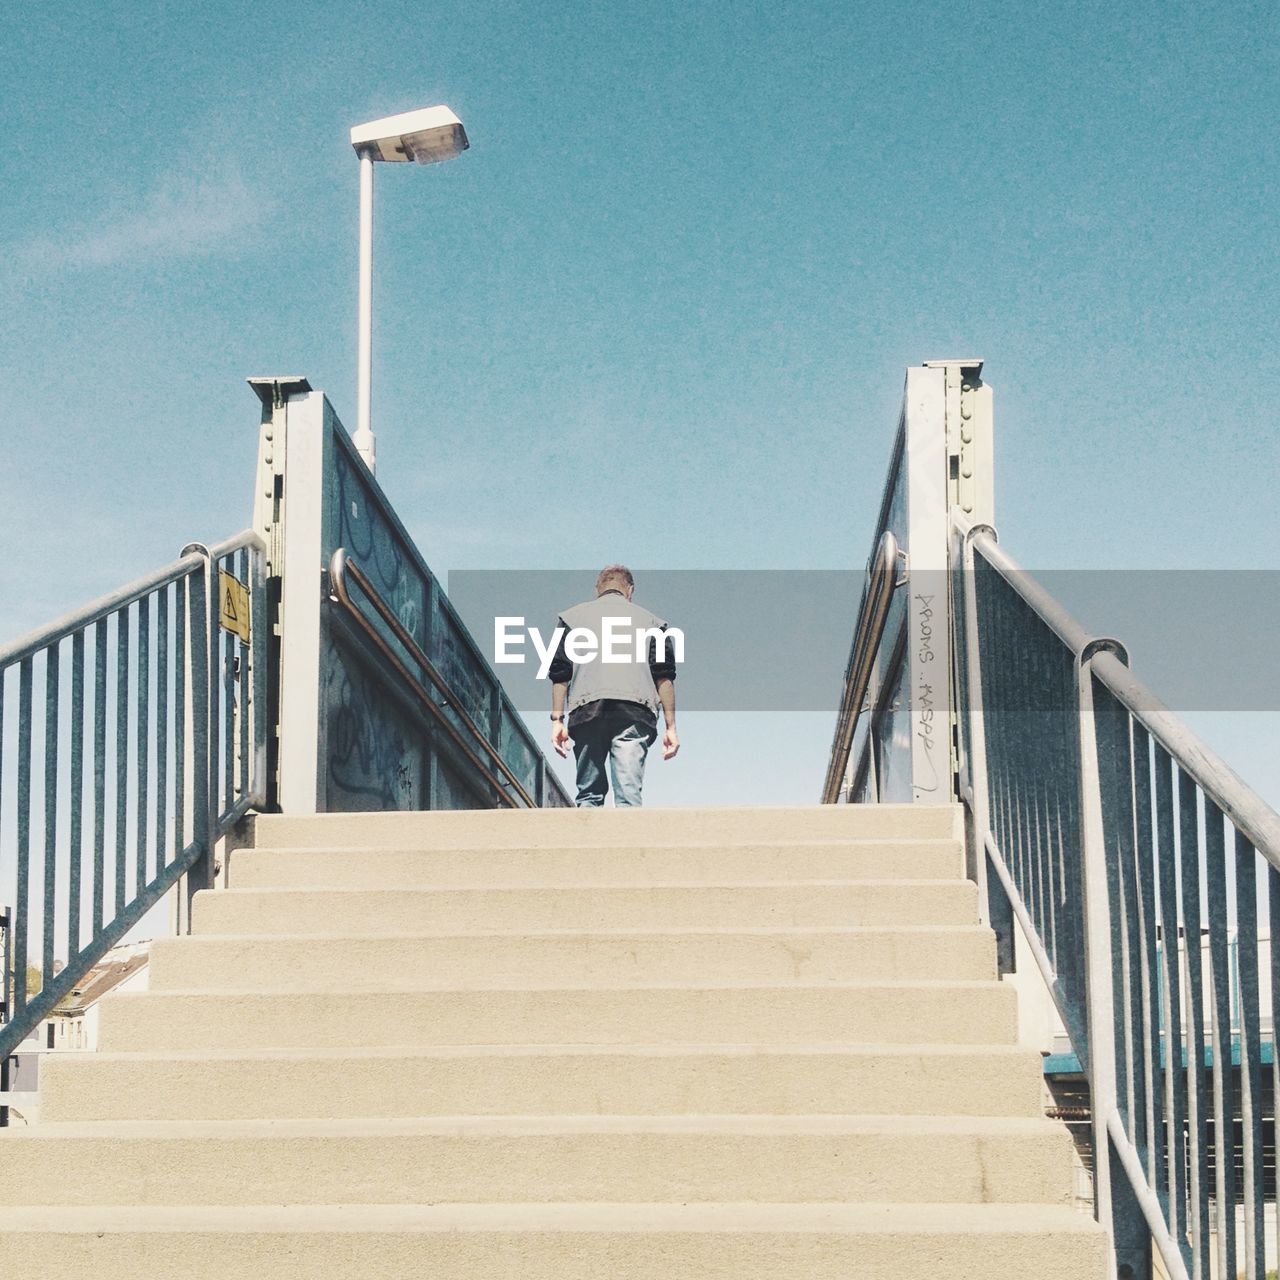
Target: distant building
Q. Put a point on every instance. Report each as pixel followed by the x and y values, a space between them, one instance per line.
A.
pixel 73 1024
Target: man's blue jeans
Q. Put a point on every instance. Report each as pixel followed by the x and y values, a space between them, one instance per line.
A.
pixel 622 744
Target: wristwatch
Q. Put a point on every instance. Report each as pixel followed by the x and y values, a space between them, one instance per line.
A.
pixel 555 718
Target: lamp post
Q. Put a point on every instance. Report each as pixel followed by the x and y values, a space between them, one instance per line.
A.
pixel 427 136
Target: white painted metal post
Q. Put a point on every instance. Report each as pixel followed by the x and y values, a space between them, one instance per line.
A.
pixel 308 422
pixel 364 354
pixel 1098 958
pixel 928 639
pixel 970 469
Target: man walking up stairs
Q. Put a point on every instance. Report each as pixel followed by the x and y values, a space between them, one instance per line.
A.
pixel 758 1044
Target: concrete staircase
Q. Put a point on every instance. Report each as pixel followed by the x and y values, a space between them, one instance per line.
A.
pixel 761 1044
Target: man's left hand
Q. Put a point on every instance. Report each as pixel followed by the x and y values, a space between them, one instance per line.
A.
pixel 670 743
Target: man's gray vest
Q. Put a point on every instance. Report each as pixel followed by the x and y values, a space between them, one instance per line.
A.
pixel 629 680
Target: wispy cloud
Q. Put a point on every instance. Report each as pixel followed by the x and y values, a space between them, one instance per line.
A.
pixel 181 216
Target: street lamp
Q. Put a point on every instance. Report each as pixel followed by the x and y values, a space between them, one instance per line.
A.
pixel 427 136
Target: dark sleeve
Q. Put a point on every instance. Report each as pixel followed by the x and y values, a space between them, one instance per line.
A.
pixel 561 669
pixel 666 669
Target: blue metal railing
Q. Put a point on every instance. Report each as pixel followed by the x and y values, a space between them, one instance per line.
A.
pixel 1104 825
pixel 136 735
pixel 1094 819
pixel 1067 1062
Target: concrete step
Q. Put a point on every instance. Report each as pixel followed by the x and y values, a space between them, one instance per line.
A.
pixel 555 1242
pixel 719 863
pixel 472 1160
pixel 569 958
pixel 804 904
pixel 663 1079
pixel 527 829
pixel 904 1013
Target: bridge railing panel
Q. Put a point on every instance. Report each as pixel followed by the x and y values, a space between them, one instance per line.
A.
pixel 360 520
pixel 1026 675
pixel 387 702
pixel 130 742
pixel 1145 874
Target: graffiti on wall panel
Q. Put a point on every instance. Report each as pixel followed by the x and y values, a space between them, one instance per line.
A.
pixel 375 760
pixel 375 545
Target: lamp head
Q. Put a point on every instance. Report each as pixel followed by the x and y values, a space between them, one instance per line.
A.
pixel 427 136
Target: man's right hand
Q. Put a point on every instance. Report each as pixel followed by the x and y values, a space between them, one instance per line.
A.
pixel 560 738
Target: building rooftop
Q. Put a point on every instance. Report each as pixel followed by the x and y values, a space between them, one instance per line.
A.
pixel 118 964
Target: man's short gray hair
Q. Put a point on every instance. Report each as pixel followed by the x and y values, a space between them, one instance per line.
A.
pixel 617 576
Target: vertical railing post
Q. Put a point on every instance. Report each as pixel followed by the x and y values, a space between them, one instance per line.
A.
pixel 431 757
pixel 259 705
pixel 6 981
pixel 1198 1108
pixel 199 679
pixel 1222 1088
pixel 1116 1205
pixel 1250 1093
pixel 52 672
pixel 976 745
pixel 22 903
pixel 495 715
pixel 1100 1012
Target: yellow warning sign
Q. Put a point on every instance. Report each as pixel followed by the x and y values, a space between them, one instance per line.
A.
pixel 233 605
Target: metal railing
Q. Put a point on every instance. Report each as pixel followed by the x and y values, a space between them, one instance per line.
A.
pixel 446 710
pixel 1105 826
pixel 136 734
pixel 882 577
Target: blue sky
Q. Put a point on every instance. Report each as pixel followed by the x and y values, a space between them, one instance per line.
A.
pixel 661 310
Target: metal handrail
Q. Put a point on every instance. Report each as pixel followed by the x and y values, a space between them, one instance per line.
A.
pixel 1047 608
pixel 33 642
pixel 882 578
pixel 42 637
pixel 1256 820
pixel 1249 813
pixel 340 566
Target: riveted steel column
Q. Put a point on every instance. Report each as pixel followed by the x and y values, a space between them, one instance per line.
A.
pixel 947 418
pixel 969 488
pixel 269 507
pixel 288 513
